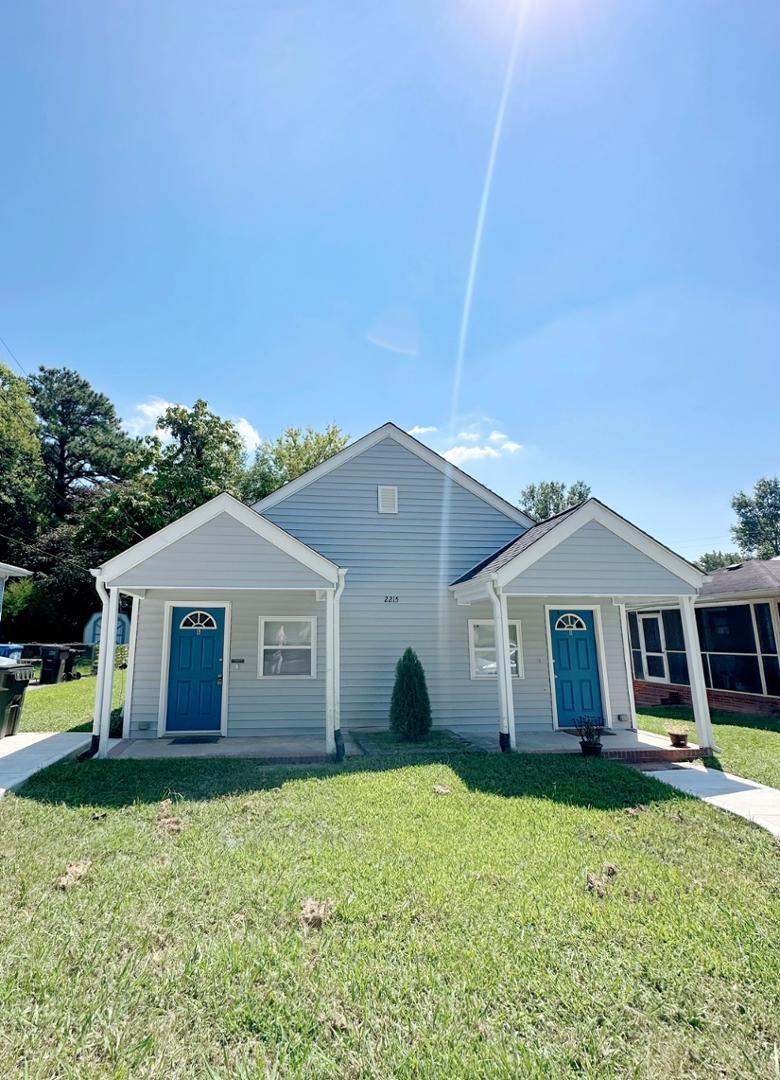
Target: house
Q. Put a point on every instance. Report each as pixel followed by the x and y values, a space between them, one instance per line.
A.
pixel 287 618
pixel 739 629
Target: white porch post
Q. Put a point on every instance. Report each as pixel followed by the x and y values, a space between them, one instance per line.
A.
pixel 107 660
pixel 135 615
pixel 701 706
pixel 330 673
pixel 503 667
pixel 337 665
pixel 101 669
pixel 629 665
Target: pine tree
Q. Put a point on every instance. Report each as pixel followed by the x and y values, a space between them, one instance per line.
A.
pixel 410 706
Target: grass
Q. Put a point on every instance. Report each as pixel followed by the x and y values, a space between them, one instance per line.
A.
pixel 463 942
pixel 67 706
pixel 749 745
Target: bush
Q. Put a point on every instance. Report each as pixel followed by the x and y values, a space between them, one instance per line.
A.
pixel 410 706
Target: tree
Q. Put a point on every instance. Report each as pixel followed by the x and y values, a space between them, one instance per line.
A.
pixel 83 444
pixel 550 497
pixel 21 467
pixel 410 706
pixel 757 531
pixel 203 457
pixel 716 560
pixel 292 454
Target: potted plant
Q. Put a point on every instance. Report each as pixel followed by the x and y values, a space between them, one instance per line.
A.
pixel 589 732
pixel 678 735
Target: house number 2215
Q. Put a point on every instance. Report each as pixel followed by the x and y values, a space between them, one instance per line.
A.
pixel 391 599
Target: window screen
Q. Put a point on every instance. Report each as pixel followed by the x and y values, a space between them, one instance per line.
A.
pixel 726 629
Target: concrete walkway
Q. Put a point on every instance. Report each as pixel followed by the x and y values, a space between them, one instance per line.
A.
pixel 750 800
pixel 23 755
pixel 282 749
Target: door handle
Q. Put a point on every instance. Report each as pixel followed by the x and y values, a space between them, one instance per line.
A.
pixel 219 680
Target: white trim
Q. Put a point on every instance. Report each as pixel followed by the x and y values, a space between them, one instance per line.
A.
pixel 166 664
pixel 127 708
pixel 381 493
pixel 391 431
pixel 330 673
pixel 9 570
pixel 600 658
pixel 312 620
pixel 337 651
pixel 699 699
pixel 643 646
pixel 222 504
pixel 517 623
pixel 590 511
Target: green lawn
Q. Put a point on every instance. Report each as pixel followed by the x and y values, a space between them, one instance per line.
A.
pixel 67 706
pixel 464 940
pixel 749 745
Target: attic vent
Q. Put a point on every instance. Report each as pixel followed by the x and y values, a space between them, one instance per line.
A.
pixel 387 499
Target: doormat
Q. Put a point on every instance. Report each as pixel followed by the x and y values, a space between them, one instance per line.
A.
pixel 188 740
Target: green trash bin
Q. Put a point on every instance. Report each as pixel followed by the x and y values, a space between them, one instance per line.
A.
pixel 14 680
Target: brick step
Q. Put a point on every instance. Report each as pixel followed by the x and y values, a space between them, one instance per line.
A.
pixel 671 753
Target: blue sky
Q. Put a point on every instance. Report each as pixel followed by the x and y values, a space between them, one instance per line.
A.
pixel 272 206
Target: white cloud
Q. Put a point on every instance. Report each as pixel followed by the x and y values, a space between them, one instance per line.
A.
pixel 497 436
pixel 468 436
pixel 458 454
pixel 144 416
pixel 250 436
pixel 510 447
pixel 418 429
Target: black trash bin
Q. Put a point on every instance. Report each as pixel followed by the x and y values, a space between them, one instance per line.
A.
pixel 14 680
pixel 53 662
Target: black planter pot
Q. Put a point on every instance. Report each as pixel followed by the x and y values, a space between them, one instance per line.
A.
pixel 590 749
pixel 678 739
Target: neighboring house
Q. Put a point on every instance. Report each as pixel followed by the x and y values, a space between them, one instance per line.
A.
pixel 739 629
pixel 288 617
pixel 7 570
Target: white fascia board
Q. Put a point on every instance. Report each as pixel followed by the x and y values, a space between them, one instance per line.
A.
pixel 221 504
pixel 8 570
pixel 390 431
pixel 624 530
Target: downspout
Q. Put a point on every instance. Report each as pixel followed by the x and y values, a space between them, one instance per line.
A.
pixel 93 746
pixel 336 630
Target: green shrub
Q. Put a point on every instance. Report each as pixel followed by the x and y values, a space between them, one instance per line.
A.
pixel 410 706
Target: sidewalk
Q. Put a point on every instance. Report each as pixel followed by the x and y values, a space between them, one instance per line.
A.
pixel 23 755
pixel 750 800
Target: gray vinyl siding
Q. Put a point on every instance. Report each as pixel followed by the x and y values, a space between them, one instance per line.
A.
pixel 255 706
pixel 440 531
pixel 222 553
pixel 596 561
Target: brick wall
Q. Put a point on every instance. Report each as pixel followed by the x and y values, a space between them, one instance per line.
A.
pixel 650 693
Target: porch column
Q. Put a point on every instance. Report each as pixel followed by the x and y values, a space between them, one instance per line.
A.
pixel 506 704
pixel 337 666
pixel 107 660
pixel 330 673
pixel 701 706
pixel 101 669
pixel 627 658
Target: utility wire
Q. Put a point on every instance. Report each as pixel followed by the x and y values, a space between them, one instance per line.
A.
pixel 13 356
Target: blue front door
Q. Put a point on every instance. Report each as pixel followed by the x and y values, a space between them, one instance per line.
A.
pixel 575 666
pixel 195 672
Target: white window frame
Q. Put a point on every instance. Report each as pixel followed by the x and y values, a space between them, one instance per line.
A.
pixel 381 488
pixel 659 617
pixel 261 647
pixel 479 675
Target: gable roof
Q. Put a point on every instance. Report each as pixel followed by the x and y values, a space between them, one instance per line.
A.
pixel 522 552
pixel 752 577
pixel 221 504
pixel 414 446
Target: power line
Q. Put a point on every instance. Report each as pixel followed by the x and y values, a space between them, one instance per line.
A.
pixel 13 356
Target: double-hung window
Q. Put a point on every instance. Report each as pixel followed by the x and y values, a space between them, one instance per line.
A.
pixel 287 648
pixel 482 649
